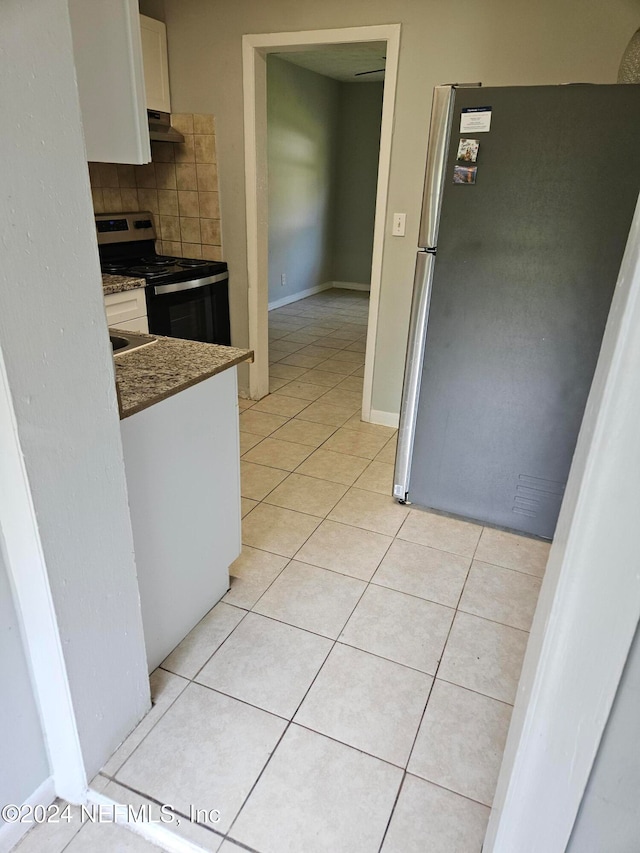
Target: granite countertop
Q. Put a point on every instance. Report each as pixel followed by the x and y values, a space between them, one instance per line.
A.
pixel 161 369
pixel 118 283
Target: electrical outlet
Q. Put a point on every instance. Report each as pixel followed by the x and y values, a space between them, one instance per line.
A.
pixel 283 280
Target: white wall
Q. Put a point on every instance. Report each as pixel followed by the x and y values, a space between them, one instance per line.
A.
pixel 302 146
pixel 500 42
pixel 589 604
pixel 356 180
pixel 609 818
pixel 23 758
pixel 59 368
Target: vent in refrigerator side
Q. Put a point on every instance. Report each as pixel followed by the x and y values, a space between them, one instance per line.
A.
pixel 534 495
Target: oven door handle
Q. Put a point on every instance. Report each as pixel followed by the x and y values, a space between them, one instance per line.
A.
pixel 160 289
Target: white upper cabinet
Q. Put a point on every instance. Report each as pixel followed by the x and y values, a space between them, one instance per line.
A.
pixel 156 67
pixel 108 58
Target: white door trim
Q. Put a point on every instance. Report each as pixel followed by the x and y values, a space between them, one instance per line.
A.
pixel 29 581
pixel 254 51
pixel 589 603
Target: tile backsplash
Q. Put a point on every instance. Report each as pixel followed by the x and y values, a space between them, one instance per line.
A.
pixel 179 186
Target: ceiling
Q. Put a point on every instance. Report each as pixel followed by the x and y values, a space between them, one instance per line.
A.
pixel 342 61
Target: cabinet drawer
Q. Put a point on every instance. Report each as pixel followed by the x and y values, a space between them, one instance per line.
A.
pixel 127 305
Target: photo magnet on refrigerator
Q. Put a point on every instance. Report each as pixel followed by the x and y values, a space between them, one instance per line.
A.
pixel 468 150
pixel 464 174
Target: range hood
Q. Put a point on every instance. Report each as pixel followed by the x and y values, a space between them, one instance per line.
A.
pixel 160 129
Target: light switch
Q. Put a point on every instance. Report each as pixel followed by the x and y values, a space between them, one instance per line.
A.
pixel 399 222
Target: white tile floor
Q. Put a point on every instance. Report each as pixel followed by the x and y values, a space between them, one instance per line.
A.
pixel 352 691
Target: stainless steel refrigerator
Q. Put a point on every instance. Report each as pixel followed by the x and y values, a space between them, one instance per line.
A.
pixel 528 200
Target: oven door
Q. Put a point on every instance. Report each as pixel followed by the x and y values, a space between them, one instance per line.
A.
pixel 196 310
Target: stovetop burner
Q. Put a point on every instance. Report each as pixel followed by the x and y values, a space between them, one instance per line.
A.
pixel 191 262
pixel 148 270
pixel 126 242
pixel 156 261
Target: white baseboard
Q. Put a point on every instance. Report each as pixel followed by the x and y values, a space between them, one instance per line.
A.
pixel 390 419
pixel 351 285
pixel 301 294
pixel 11 833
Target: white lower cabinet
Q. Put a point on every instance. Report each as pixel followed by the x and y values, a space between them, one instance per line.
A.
pixel 127 310
pixel 182 462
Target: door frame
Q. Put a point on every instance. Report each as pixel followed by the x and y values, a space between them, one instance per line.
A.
pixel 255 49
pixel 27 572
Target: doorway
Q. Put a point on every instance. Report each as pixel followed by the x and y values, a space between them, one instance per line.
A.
pixel 256 49
pixel 324 108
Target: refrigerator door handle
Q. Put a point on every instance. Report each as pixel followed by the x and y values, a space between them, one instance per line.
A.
pixel 439 132
pixel 423 279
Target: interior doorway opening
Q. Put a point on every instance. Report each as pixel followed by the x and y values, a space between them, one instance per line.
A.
pixel 376 50
pixel 324 110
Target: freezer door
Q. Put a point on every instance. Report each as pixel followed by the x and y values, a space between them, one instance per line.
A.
pixel 441 112
pixel 413 371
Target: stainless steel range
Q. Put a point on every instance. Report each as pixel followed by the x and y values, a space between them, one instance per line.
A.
pixel 186 297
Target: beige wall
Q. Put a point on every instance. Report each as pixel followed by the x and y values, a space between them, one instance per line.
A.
pixel 179 186
pixel 500 42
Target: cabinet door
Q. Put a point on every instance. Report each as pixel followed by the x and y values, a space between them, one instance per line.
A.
pixel 108 58
pixel 156 68
pixel 125 306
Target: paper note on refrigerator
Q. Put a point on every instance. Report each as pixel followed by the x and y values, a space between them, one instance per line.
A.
pixel 475 120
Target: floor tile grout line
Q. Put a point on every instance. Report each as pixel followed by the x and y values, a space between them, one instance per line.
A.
pixel 341 452
pixel 242 845
pixel 426 706
pixel 493 621
pixel 319 357
pixel 450 790
pixel 177 675
pixel 393 809
pixel 444 647
pixel 318 366
pixel 136 747
pixel 237 698
pixel 477 692
pixel 157 802
pixel 336 521
pixel 324 480
pixel 259 777
pixel 221 644
pixel 508 569
pixel 386 761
